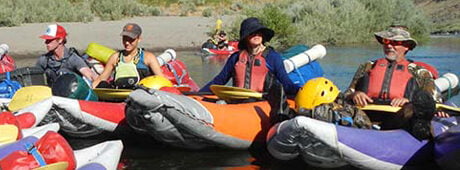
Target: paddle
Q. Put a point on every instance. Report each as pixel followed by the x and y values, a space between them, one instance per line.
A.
pixel 229 93
pixel 54 166
pixel 27 96
pixel 387 108
pixel 108 93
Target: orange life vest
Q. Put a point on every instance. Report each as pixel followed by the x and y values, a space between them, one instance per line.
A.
pixel 388 80
pixel 250 72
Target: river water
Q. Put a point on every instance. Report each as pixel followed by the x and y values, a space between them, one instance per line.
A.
pixel 339 66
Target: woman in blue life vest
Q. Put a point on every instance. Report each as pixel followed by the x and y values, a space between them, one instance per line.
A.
pixel 255 66
pixel 131 64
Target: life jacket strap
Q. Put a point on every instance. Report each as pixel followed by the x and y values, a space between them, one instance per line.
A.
pixel 34 152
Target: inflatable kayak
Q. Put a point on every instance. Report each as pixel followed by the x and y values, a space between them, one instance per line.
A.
pixel 52 150
pixel 14 128
pixel 78 118
pixel 197 122
pixel 327 145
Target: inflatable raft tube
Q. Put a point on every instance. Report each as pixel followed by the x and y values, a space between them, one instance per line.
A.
pixel 327 145
pixel 191 122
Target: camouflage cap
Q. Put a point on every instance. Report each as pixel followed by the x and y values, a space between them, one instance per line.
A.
pixel 396 33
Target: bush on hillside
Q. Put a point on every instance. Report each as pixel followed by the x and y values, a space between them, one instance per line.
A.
pixel 335 21
pixel 16 12
pixel 118 9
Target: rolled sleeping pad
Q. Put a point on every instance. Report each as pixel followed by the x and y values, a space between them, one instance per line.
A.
pixel 99 52
pixel 446 82
pixel 73 86
pixel 316 52
pixel 166 56
pixel 3 49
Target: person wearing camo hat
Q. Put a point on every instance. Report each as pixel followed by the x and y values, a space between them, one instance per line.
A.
pixel 397 81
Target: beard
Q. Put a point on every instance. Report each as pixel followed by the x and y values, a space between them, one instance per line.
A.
pixel 391 55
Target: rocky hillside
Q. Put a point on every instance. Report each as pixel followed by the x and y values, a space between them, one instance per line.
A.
pixel 444 14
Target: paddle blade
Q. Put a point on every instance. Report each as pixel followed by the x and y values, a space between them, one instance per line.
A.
pixel 54 166
pixel 27 96
pixel 454 111
pixel 383 108
pixel 110 94
pixel 229 93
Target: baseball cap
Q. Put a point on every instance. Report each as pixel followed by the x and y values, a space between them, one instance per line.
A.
pixel 131 30
pixel 54 31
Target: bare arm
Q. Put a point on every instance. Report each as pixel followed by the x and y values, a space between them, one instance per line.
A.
pixel 88 73
pixel 151 61
pixel 107 70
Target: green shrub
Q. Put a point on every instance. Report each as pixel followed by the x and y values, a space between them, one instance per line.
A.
pixel 14 13
pixel 118 9
pixel 207 12
pixel 334 21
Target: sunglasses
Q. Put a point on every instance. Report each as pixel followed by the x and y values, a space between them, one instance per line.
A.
pixel 392 42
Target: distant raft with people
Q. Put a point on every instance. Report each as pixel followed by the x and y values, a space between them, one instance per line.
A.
pixel 328 145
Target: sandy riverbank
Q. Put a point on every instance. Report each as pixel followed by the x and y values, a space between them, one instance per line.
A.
pixel 159 33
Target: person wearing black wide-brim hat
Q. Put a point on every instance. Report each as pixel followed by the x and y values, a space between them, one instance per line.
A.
pixel 255 66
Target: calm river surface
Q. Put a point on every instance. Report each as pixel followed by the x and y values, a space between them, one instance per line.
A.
pixel 339 65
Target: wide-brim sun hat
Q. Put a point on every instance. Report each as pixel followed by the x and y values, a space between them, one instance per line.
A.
pixel 250 26
pixel 396 34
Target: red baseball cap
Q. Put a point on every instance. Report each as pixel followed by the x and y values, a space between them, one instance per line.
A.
pixel 54 31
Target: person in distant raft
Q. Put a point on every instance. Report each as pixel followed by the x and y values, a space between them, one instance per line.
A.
pixel 59 59
pixel 255 66
pixel 394 80
pixel 131 64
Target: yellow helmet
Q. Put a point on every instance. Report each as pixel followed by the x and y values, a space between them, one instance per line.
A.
pixel 315 92
pixel 155 82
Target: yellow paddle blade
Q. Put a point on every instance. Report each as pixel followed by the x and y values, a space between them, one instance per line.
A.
pixel 108 94
pixel 27 96
pixel 228 93
pixel 388 108
pixel 9 133
pixel 448 108
pixel 218 24
pixel 384 108
pixel 54 166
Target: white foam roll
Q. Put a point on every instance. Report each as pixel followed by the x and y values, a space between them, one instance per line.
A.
pixel 316 52
pixel 4 49
pixel 445 81
pixel 166 56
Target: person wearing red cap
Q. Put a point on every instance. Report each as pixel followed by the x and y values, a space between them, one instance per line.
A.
pixel 130 64
pixel 59 59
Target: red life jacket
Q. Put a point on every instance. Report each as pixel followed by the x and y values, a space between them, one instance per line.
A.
pixel 388 80
pixel 250 72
